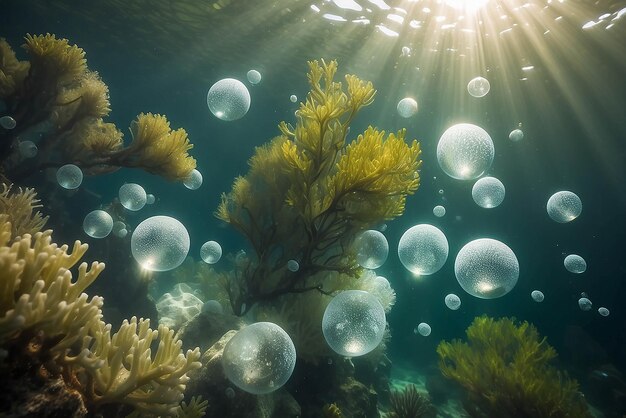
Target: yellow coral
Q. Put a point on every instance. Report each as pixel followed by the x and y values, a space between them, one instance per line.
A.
pixel 505 370
pixel 12 71
pixel 158 149
pixel 40 301
pixel 54 58
pixel 20 207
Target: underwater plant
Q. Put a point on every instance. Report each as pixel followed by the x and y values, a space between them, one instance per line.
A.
pixel 310 191
pixel 58 104
pixel 51 329
pixel 505 370
pixel 409 403
pixel 21 209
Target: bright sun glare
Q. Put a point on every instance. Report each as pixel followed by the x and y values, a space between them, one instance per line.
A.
pixel 467 5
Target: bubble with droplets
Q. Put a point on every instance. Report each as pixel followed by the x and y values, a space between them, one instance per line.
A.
pixel 439 211
pixel 423 249
pixel 371 249
pixel 423 329
pixel 160 243
pixel 354 323
pixel 537 296
pixel 488 192
pixel 486 268
pixel 259 358
pixel 253 76
pixel 293 98
pixel 28 149
pixel 603 311
pixel 478 87
pixel 211 252
pixel 465 151
pixel 228 99
pixel 452 301
pixel 194 181
pixel 516 135
pixel 98 224
pixel 575 264
pixel 132 196
pixel 407 107
pixel 69 176
pixel 293 265
pixel 7 122
pixel 584 304
pixel 564 206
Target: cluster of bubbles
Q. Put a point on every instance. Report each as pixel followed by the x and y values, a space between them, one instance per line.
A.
pixel 211 252
pixel 69 176
pixel 486 268
pixel 354 323
pixel 423 249
pixel 160 243
pixel 575 264
pixel 439 211
pixel 478 87
pixel 564 206
pixel 259 358
pixel 194 181
pixel 465 151
pixel 371 249
pixel 228 99
pixel 98 224
pixel 423 329
pixel 452 301
pixel 407 107
pixel 132 196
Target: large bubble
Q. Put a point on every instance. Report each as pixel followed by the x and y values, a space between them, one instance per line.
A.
pixel 371 248
pixel 423 249
pixel 478 87
pixel 160 243
pixel 486 268
pixel 452 301
pixel 488 192
pixel 211 252
pixel 194 181
pixel 98 224
pixel 132 196
pixel 564 206
pixel 69 176
pixel 228 99
pixel 465 151
pixel 575 264
pixel 253 76
pixel 407 107
pixel 259 358
pixel 354 323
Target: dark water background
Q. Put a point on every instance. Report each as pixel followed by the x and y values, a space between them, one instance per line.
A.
pixel 572 110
